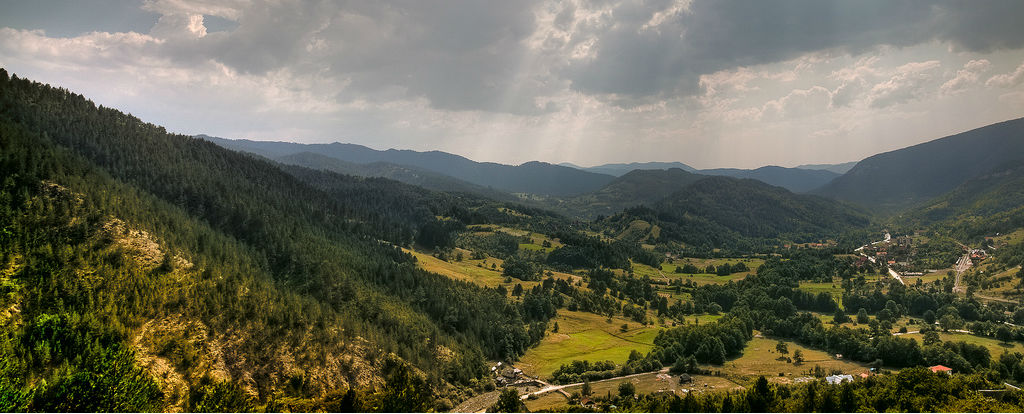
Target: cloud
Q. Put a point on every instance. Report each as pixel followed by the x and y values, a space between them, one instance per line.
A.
pixel 966 77
pixel 713 35
pixel 798 103
pixel 909 82
pixel 1007 80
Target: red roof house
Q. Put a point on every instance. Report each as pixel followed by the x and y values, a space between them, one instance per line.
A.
pixel 941 368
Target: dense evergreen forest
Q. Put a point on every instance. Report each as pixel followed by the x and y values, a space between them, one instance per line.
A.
pixel 247 261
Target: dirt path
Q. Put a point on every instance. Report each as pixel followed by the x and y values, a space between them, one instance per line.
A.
pixel 961 266
pixel 561 388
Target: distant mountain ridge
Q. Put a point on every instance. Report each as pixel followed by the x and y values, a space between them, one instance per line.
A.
pixel 532 177
pixel 797 180
pixel 620 169
pixel 638 187
pixel 409 175
pixel 910 176
pixel 841 168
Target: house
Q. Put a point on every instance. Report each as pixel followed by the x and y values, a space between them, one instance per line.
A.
pixel 839 379
pixel 685 378
pixel 587 402
pixel 864 375
pixel 942 369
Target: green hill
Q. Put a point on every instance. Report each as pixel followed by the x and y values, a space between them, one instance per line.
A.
pixel 532 177
pixel 797 180
pixel 409 175
pixel 984 205
pixel 638 187
pixel 743 213
pixel 910 176
pixel 143 270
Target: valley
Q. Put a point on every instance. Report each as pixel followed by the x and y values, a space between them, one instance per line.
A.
pixel 142 270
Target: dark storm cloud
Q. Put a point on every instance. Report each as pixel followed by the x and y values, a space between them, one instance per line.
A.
pixel 459 55
pixel 497 56
pixel 721 34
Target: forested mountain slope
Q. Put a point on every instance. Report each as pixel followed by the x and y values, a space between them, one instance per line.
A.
pixel 144 270
pixel 719 212
pixel 638 187
pixel 409 175
pixel 531 177
pixel 797 180
pixel 913 175
pixel 620 169
pixel 985 205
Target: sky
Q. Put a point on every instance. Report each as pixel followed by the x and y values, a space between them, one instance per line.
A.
pixel 710 83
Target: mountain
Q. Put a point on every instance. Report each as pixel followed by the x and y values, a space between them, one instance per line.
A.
pixel 620 169
pixel 902 178
pixel 409 175
pixel 984 205
pixel 717 211
pixel 836 168
pixel 796 180
pixel 637 187
pixel 532 177
pixel 148 271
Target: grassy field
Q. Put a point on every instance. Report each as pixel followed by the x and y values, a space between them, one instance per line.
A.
pixel 760 358
pixel 476 271
pixel 667 273
pixel 586 336
pixel 1015 237
pixel 464 270
pixel 928 277
pixel 995 348
pixel 834 288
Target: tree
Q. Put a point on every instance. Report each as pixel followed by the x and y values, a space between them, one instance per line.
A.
pixel 517 290
pixel 508 402
pixel 862 316
pixel 931 337
pixel 840 317
pixel 761 396
pixel 950 321
pixel 586 390
pixel 929 317
pixel 782 348
pixel 1003 333
pixel 554 329
pixel 798 357
pixel 627 389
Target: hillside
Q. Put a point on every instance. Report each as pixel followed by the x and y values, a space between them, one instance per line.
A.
pixel 638 187
pixel 409 175
pixel 913 175
pixel 150 271
pixel 742 213
pixel 621 169
pixel 984 205
pixel 797 180
pixel 836 168
pixel 532 177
